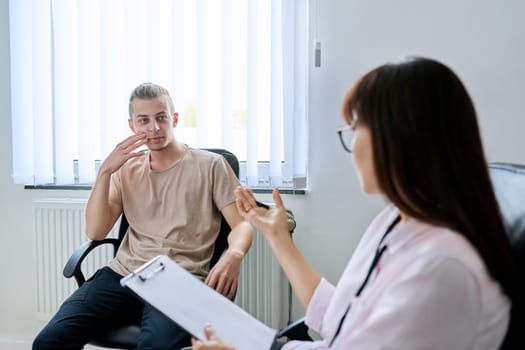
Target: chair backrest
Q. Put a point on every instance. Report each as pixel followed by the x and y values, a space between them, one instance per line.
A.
pixel 508 181
pixel 221 243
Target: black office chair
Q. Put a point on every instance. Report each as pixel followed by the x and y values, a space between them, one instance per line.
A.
pixel 509 185
pixel 126 337
pixel 508 181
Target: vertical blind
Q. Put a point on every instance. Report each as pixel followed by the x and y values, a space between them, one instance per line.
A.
pixel 236 70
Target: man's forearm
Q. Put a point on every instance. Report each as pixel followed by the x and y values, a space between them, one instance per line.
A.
pixel 100 217
pixel 240 239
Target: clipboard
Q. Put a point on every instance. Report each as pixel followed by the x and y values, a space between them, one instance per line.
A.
pixel 192 304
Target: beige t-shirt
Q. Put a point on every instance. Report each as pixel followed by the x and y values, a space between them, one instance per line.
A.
pixel 175 212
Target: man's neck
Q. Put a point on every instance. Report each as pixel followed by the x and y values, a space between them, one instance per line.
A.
pixel 167 157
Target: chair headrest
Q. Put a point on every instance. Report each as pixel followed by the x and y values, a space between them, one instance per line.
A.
pixel 508 181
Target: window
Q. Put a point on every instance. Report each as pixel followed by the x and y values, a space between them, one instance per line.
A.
pixel 236 69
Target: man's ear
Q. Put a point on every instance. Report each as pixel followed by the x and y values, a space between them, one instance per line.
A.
pixel 131 125
pixel 175 119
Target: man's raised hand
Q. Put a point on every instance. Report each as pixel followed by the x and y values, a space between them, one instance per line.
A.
pixel 124 151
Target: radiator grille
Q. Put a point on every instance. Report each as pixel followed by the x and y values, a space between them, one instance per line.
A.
pixel 60 229
pixel 263 289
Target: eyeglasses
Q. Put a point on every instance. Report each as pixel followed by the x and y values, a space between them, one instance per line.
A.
pixel 346 136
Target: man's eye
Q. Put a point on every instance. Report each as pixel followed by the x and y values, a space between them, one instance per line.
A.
pixel 162 118
pixel 143 121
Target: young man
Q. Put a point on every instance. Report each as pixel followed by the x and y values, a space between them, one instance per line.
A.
pixel 173 197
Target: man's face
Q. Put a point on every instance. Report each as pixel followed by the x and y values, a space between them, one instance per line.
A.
pixel 153 118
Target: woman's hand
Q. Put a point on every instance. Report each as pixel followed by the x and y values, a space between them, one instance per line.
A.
pixel 270 222
pixel 213 342
pixel 273 224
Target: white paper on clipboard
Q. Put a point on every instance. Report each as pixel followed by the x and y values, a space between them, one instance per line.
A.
pixel 192 304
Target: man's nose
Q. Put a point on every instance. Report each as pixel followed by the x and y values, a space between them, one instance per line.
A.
pixel 155 125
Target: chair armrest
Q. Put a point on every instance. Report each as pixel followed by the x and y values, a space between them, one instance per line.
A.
pixel 292 224
pixel 72 268
pixel 296 330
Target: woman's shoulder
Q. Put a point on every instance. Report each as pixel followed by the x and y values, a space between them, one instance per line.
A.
pixel 434 244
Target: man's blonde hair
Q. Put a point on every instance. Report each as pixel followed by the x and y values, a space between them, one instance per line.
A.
pixel 147 91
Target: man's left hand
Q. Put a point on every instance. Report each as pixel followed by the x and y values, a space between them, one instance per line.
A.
pixel 224 275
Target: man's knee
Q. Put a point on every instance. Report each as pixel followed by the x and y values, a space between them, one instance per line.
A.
pixel 40 343
pixel 48 338
pixel 60 335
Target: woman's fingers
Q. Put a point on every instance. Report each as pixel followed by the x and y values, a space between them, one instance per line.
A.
pixel 245 200
pixel 210 332
pixel 240 206
pixel 277 198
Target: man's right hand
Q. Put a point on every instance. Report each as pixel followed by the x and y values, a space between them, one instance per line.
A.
pixel 124 151
pixel 101 211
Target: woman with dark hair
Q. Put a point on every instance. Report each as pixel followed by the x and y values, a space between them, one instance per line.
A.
pixel 434 269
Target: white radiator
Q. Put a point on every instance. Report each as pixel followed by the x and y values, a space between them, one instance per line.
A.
pixel 263 288
pixel 60 229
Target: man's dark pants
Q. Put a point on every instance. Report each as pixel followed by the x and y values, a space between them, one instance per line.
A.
pixel 101 302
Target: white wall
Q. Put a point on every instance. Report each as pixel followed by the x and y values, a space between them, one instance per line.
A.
pixel 16 258
pixel 482 40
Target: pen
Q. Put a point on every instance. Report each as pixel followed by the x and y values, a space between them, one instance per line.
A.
pixel 260 204
pixel 291 220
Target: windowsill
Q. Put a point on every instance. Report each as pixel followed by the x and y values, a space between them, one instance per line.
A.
pixel 87 187
pixel 58 187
